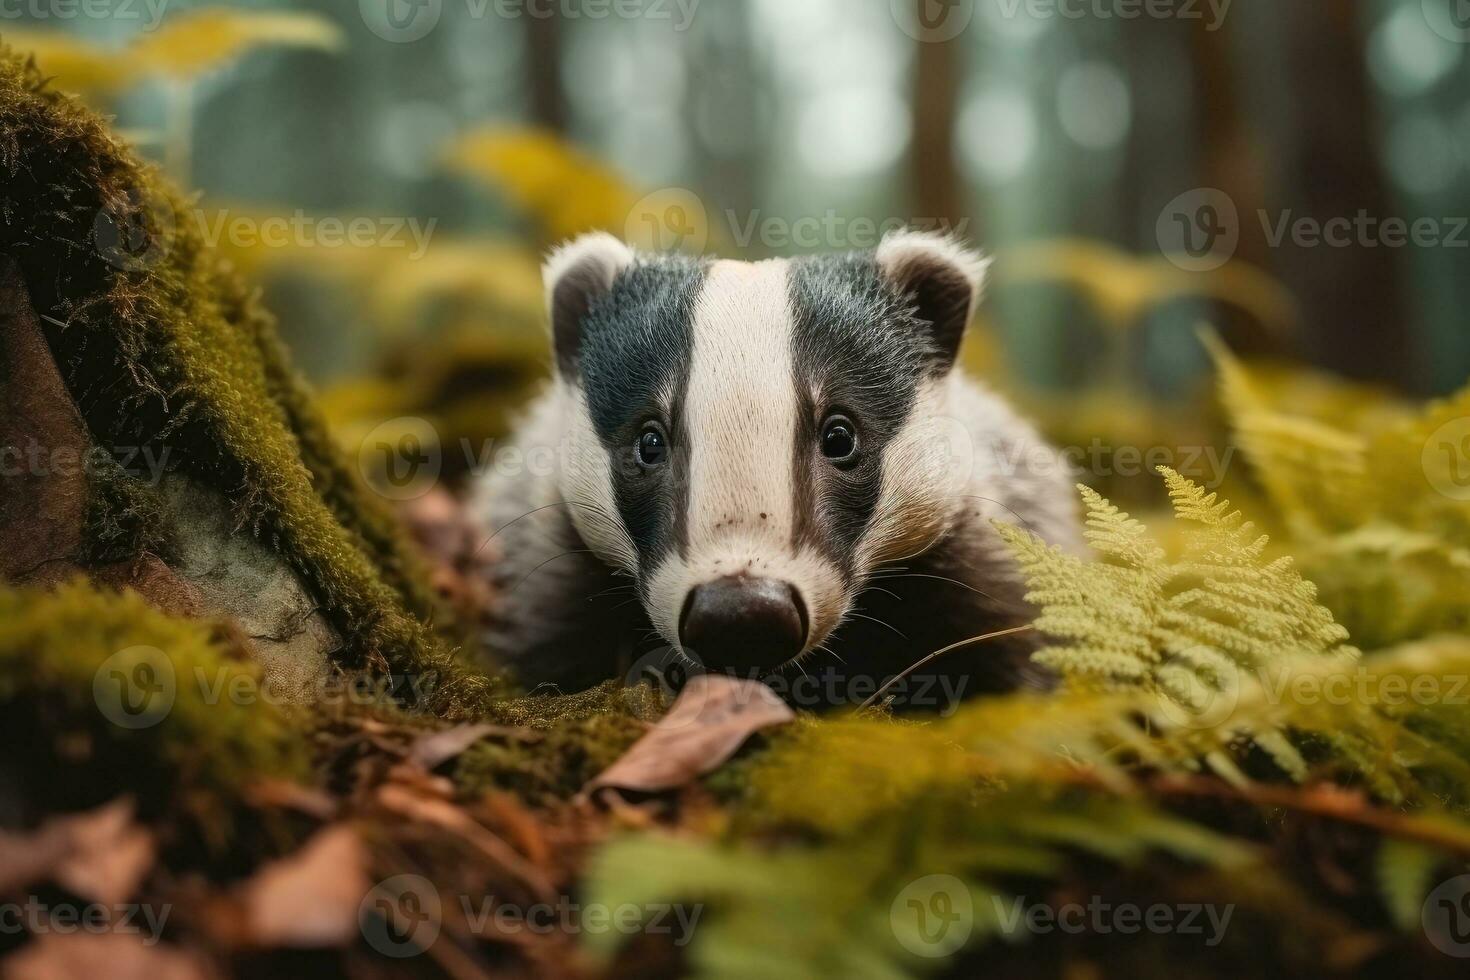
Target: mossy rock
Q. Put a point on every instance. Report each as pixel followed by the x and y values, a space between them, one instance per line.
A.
pixel 102 694
pixel 164 350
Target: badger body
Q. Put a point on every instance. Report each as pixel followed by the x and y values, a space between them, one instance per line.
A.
pixel 767 468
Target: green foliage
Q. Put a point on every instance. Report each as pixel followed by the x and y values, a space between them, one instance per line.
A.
pixel 1210 662
pixel 1371 521
pixel 1184 628
pixel 1405 876
pixel 840 909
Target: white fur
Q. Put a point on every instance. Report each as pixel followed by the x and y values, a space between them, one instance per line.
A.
pixel 596 249
pixel 900 249
pixel 741 418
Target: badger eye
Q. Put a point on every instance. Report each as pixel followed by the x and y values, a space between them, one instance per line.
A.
pixel 839 439
pixel 653 445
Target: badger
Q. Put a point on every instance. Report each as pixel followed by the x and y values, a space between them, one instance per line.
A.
pixel 765 467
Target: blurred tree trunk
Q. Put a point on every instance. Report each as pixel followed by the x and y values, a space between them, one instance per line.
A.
pixel 1230 159
pixel 932 172
pixel 543 72
pixel 1328 168
pixel 725 112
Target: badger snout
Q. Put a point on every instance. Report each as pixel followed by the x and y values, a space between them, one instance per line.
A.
pixel 743 624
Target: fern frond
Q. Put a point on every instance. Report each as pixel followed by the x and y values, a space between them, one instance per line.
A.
pixel 1185 630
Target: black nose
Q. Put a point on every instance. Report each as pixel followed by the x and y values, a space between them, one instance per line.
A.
pixel 743 624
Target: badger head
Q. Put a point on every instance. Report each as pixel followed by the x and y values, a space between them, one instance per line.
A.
pixel 749 441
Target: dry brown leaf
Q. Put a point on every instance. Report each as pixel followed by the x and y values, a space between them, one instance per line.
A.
pixel 310 898
pixel 101 855
pixel 286 795
pixel 115 955
pixel 447 816
pixel 110 855
pixel 28 858
pixel 520 824
pixel 438 748
pixel 710 720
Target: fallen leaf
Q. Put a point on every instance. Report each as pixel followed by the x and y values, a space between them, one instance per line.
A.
pixel 446 816
pixel 439 747
pixel 709 721
pixel 310 898
pixel 101 855
pixel 286 795
pixel 520 825
pixel 28 858
pixel 116 955
pixel 110 855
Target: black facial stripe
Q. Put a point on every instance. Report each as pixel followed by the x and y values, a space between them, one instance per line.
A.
pixel 633 365
pixel 855 341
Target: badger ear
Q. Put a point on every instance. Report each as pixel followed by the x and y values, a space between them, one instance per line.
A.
pixel 577 274
pixel 940 277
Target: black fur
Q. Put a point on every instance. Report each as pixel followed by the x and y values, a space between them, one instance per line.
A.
pixel 856 342
pixel 634 367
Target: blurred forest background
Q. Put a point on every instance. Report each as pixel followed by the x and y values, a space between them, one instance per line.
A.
pixel 1075 140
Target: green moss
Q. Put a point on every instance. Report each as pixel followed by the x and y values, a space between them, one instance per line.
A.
pixel 571 738
pixel 125 515
pixel 163 347
pixel 101 694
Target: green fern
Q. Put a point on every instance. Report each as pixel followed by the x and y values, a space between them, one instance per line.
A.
pixel 1184 629
pixel 1371 523
pixel 1405 872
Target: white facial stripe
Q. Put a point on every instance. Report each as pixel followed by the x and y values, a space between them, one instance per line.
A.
pixel 740 410
pixel 925 464
pixel 740 417
pixel 587 486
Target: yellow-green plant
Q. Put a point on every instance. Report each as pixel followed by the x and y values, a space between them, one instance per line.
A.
pixel 1134 618
pixel 1377 514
